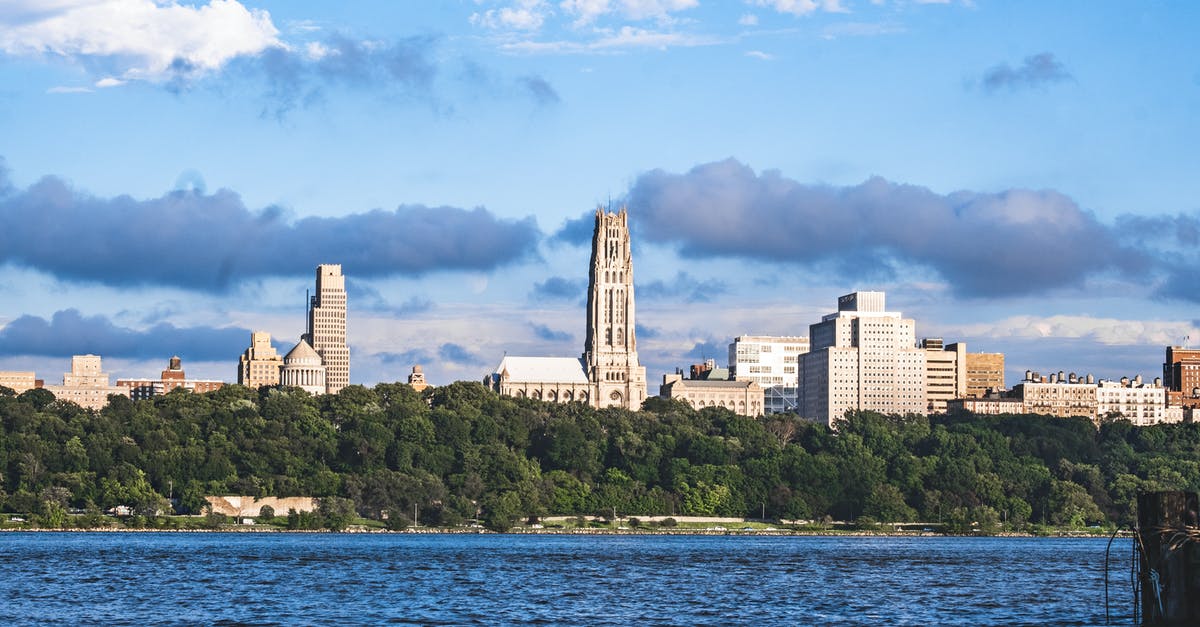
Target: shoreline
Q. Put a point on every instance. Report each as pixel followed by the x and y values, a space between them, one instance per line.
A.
pixel 600 532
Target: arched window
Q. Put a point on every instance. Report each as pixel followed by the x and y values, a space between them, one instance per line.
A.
pixel 537 395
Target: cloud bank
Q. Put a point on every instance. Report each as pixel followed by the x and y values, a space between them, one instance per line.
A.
pixel 1000 244
pixel 68 332
pixel 198 241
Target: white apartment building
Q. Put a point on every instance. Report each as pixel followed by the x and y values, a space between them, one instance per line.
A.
pixel 773 362
pixel 945 373
pixel 862 358
pixel 1140 403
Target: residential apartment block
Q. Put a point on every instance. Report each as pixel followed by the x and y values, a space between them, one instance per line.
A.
pixel 170 379
pixel 86 385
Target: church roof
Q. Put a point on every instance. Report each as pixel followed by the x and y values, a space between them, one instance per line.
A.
pixel 543 369
pixel 302 353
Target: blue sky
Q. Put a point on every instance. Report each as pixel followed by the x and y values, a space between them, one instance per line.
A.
pixel 1016 175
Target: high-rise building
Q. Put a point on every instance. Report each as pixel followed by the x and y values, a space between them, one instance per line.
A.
pixel 1181 376
pixel 945 373
pixel 327 326
pixel 862 358
pixel 259 365
pixel 87 385
pixel 609 373
pixel 773 363
pixel 985 372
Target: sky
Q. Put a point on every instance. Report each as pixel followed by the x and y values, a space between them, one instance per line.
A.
pixel 1019 176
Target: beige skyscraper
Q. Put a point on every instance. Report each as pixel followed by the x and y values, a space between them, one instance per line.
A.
pixel 608 374
pixel 259 365
pixel 327 326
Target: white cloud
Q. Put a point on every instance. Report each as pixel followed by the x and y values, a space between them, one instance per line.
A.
pixel 748 19
pixel 68 90
pixel 625 38
pixel 803 7
pixel 109 81
pixel 860 29
pixel 525 15
pixel 587 11
pixel 759 54
pixel 142 39
pixel 1111 331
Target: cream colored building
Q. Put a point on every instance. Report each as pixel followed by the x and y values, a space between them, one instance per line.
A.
pixel 741 397
pixel 773 362
pixel 1057 395
pixel 303 368
pixel 987 406
pixel 327 326
pixel 862 358
pixel 608 374
pixel 1140 403
pixel 18 381
pixel 259 365
pixel 87 385
pixel 416 379
pixel 945 373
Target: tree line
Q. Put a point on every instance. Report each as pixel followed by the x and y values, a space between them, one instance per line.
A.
pixel 461 452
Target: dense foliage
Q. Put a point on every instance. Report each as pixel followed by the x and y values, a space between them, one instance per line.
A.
pixel 461 452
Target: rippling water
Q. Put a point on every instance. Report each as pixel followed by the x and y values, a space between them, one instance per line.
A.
pixel 269 579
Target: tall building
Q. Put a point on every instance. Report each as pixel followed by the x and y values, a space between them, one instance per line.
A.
pixel 945 373
pixel 327 326
pixel 1181 376
pixel 862 358
pixel 87 385
pixel 170 379
pixel 259 365
pixel 609 373
pixel 985 372
pixel 773 363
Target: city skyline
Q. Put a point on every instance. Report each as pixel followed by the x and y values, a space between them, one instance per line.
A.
pixel 1016 177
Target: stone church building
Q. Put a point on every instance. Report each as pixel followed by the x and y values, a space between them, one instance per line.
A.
pixel 608 373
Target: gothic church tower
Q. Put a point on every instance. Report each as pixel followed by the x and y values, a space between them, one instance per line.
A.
pixel 610 352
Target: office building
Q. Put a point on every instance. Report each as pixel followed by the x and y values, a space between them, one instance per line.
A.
pixel 773 363
pixel 327 326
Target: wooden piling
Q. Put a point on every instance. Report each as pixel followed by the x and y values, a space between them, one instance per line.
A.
pixel 1169 567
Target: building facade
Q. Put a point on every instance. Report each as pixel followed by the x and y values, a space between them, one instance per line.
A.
pixel 1139 403
pixel 1057 395
pixel 1181 376
pixel 327 326
pixel 259 365
pixel 945 373
pixel 172 378
pixel 741 397
pixel 416 379
pixel 862 358
pixel 608 374
pixel 773 362
pixel 86 385
pixel 985 373
pixel 19 381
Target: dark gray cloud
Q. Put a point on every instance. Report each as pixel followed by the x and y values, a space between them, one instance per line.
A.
pixel 458 354
pixel 576 231
pixel 210 242
pixel 541 91
pixel 69 332
pixel 559 288
pixel 709 349
pixel 546 333
pixel 407 358
pixel 1174 242
pixel 647 333
pixel 1035 71
pixel 1008 243
pixel 683 287
pixel 367 298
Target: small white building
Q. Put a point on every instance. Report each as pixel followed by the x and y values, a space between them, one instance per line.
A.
pixel 771 361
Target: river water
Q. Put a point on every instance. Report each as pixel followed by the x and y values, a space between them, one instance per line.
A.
pixel 349 579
